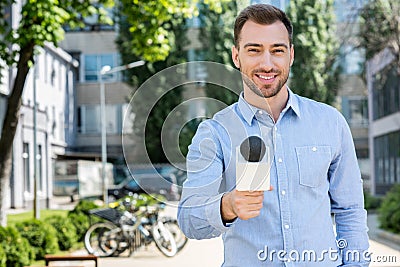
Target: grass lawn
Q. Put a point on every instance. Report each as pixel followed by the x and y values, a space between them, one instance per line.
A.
pixel 12 219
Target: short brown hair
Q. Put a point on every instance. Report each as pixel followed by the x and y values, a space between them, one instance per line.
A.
pixel 262 14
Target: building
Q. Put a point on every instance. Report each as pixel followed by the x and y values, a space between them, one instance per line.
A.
pixel 52 78
pixel 383 82
pixel 94 47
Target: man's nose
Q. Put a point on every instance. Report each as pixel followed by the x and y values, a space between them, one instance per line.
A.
pixel 267 62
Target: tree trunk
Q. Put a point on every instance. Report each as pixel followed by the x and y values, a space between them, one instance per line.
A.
pixel 10 124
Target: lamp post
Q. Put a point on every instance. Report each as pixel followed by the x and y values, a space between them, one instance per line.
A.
pixel 108 70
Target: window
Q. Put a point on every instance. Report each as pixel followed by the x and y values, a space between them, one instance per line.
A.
pixel 355 110
pixel 89 121
pixel 352 59
pixel 387 161
pixel 93 64
pixel 39 158
pixel 348 10
pixel 385 92
pixel 26 165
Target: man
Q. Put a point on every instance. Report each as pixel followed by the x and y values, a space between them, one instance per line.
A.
pixel 314 171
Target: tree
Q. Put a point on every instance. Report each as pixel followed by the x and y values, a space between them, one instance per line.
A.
pixel 380 27
pixel 41 21
pixel 217 33
pixel 160 54
pixel 314 72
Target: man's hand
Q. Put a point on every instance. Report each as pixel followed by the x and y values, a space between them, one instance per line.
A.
pixel 241 204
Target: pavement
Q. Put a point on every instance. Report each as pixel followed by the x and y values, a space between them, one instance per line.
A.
pixel 384 246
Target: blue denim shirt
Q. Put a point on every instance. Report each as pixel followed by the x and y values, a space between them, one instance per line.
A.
pixel 314 174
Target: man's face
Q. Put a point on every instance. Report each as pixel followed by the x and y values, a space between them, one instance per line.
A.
pixel 264 57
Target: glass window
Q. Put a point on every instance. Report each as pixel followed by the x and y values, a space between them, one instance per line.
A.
pixel 26 165
pixel 387 161
pixel 39 159
pixel 352 59
pixel 385 92
pixel 355 110
pixel 91 118
pixel 94 63
pixel 89 121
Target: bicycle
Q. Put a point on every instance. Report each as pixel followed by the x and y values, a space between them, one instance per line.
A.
pixel 128 230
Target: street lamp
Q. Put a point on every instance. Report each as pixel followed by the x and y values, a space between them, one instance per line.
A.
pixel 108 70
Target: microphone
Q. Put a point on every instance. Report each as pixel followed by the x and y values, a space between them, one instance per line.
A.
pixel 253 165
pixel 252 149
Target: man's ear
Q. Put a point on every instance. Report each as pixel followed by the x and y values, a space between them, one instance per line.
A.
pixel 291 55
pixel 235 57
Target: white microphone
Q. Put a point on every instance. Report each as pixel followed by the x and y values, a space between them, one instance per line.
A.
pixel 253 165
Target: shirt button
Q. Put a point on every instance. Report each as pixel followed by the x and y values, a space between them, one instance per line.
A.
pixel 286 226
pixel 260 112
pixel 314 149
pixel 280 160
pixel 283 192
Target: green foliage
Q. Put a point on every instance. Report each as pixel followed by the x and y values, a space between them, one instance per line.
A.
pixel 177 40
pixel 66 231
pixel 217 41
pixel 42 21
pixel 40 235
pixel 371 202
pixel 139 25
pixel 380 26
pixel 150 22
pixel 389 212
pixel 314 72
pixel 17 249
pixel 79 217
pixel 3 257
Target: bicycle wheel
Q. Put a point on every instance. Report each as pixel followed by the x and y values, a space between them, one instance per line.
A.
pixel 102 239
pixel 164 240
pixel 180 238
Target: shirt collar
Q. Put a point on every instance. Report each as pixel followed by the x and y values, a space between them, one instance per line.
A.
pixel 248 111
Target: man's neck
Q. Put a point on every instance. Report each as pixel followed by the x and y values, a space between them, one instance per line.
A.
pixel 273 105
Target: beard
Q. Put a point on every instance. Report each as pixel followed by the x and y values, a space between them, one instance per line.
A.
pixel 268 90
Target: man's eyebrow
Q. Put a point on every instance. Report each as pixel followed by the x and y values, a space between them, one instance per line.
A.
pixel 280 44
pixel 260 45
pixel 252 44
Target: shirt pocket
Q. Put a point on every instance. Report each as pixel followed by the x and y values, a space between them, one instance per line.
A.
pixel 313 163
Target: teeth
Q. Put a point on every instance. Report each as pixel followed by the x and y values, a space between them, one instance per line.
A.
pixel 266 77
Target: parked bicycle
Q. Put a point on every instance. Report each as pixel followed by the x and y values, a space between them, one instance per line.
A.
pixel 129 229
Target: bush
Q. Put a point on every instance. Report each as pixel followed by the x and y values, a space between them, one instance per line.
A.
pixel 389 212
pixel 371 202
pixel 80 217
pixel 17 249
pixel 3 256
pixel 66 231
pixel 40 235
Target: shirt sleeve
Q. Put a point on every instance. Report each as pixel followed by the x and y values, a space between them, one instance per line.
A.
pixel 199 214
pixel 347 201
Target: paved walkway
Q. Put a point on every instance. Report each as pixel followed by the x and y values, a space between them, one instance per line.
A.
pixel 209 253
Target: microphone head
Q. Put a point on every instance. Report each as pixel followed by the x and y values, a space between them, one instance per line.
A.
pixel 253 149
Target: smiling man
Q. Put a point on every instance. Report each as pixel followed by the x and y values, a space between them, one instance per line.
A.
pixel 313 166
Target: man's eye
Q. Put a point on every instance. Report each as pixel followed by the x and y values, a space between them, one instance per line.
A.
pixel 279 51
pixel 253 50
